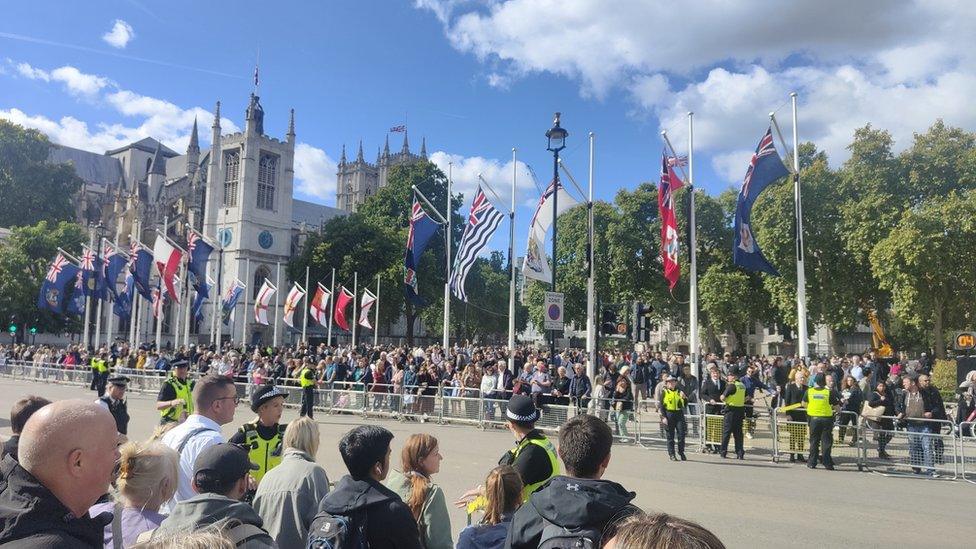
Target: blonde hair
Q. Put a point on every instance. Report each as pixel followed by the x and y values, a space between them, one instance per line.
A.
pixel 303 435
pixel 161 430
pixel 662 531
pixel 211 537
pixel 415 450
pixel 148 473
pixel 503 492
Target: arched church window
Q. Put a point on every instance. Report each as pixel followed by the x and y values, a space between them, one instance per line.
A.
pixel 267 177
pixel 232 173
pixel 148 165
pixel 260 274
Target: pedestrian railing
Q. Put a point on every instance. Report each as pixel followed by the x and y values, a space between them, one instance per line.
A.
pixel 884 445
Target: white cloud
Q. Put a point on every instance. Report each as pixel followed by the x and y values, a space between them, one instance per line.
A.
pixel 153 117
pixel 497 173
pixel 120 34
pixel 315 173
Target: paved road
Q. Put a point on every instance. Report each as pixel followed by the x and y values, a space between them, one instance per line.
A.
pixel 753 503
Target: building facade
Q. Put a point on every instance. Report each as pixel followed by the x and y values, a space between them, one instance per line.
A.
pixel 358 180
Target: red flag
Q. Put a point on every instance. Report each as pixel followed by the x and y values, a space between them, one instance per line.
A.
pixel 168 259
pixel 669 223
pixel 342 300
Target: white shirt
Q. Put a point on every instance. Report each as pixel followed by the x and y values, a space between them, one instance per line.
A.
pixel 197 444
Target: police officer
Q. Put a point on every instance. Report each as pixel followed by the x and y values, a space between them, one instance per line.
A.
pixel 114 401
pixel 534 456
pixel 673 404
pixel 734 398
pixel 99 367
pixel 308 380
pixel 821 403
pixel 175 399
pixel 263 436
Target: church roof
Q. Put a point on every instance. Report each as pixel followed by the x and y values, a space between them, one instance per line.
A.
pixel 312 214
pixel 148 145
pixel 91 167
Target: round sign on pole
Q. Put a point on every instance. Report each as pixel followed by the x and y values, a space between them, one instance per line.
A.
pixel 554 311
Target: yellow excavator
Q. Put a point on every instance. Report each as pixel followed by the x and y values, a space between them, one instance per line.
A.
pixel 879 343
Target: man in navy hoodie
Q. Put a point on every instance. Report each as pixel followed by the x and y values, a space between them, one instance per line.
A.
pixel 580 504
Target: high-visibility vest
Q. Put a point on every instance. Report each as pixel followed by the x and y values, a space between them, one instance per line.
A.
pixel 672 400
pixel 738 398
pixel 182 389
pixel 543 443
pixel 265 453
pixel 818 403
pixel 98 366
pixel 303 378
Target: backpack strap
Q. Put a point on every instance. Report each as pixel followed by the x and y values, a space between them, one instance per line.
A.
pixel 242 533
pixel 193 433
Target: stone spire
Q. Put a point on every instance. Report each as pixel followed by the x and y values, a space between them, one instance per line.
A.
pixel 194 145
pixel 193 152
pixel 359 156
pixel 290 136
pixel 342 159
pixel 406 144
pixel 386 148
pixel 378 156
pixel 158 166
pixel 423 146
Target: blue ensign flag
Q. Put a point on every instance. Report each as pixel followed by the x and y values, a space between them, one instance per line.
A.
pixel 114 265
pixel 422 228
pixel 140 263
pixel 123 301
pixel 764 168
pixel 54 286
pixel 200 252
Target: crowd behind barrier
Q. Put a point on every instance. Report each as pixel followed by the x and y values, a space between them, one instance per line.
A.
pixel 883 444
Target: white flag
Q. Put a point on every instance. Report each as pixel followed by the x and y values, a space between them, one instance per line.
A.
pixel 536 265
pixel 263 300
pixel 319 307
pixel 364 306
pixel 291 303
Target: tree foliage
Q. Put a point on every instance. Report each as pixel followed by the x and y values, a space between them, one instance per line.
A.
pixel 31 189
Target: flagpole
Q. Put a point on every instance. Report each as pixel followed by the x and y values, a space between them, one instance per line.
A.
pixel 447 280
pixel 108 318
pixel 693 250
pixel 187 304
pixel 511 265
pixel 247 276
pixel 376 314
pixel 331 308
pixel 355 306
pixel 98 323
pixel 215 324
pixel 801 279
pixel 591 276
pixel 91 242
pixel 274 338
pixel 159 317
pixel 305 307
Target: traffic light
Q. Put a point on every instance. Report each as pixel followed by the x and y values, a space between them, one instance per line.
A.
pixel 642 321
pixel 13 325
pixel 608 322
pixel 33 330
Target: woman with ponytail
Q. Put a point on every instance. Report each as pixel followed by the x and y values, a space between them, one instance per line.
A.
pixel 147 478
pixel 420 460
pixel 503 494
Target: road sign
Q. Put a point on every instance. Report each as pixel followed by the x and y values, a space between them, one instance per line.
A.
pixel 554 311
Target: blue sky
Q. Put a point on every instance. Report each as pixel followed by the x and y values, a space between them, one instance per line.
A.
pixel 480 77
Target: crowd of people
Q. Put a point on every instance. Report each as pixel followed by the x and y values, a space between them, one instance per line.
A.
pixel 262 487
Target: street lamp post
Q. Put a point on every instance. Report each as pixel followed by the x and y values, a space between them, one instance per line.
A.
pixel 556 137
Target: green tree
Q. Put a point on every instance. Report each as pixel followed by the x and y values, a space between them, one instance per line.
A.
pixel 24 260
pixel 928 263
pixel 31 189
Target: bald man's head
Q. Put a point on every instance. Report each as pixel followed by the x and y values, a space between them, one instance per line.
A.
pixel 71 447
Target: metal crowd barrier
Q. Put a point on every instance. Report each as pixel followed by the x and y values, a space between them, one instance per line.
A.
pixel 941 448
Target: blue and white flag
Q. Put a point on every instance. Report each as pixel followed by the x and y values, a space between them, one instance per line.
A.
pixel 53 287
pixel 203 293
pixel 114 263
pixel 199 253
pixel 230 299
pixel 764 169
pixel 123 300
pixel 482 223
pixel 77 303
pixel 89 283
pixel 422 228
pixel 140 264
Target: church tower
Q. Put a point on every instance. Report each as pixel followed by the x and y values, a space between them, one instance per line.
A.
pixel 249 210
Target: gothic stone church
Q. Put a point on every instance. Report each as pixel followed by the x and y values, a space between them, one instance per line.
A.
pixel 239 196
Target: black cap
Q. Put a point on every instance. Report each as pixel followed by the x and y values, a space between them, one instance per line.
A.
pixel 181 363
pixel 521 409
pixel 265 393
pixel 121 381
pixel 228 462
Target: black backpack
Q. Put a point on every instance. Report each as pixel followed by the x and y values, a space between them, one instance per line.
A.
pixel 330 531
pixel 559 537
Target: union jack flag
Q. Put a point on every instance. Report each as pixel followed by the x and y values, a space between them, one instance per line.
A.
pixel 676 161
pixel 133 250
pixel 87 259
pixel 398 129
pixel 422 228
pixel 765 148
pixel 482 223
pixel 56 266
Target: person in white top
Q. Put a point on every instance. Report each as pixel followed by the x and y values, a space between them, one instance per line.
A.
pixel 214 402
